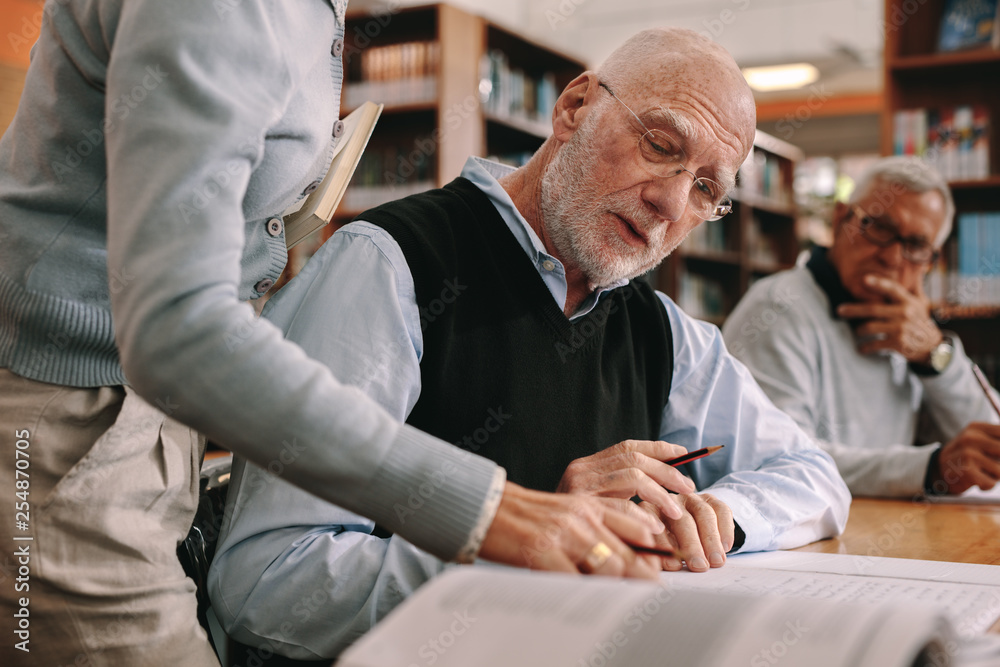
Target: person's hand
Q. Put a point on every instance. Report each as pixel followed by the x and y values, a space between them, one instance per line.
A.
pixel 630 468
pixel 563 532
pixel 700 537
pixel 903 323
pixel 971 459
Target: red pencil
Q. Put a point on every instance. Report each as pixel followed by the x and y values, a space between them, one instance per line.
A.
pixel 691 456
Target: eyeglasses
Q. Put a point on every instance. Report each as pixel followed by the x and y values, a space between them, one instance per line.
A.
pixel 883 234
pixel 663 157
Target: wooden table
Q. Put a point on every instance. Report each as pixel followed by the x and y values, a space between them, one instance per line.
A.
pixel 928 531
pixel 922 530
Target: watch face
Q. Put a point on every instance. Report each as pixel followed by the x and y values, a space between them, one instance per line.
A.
pixel 941 356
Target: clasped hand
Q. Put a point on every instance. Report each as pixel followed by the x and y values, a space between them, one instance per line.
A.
pixel 699 527
pixel 902 322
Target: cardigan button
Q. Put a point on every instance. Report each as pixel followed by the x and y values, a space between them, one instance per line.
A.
pixel 264 285
pixel 274 226
pixel 311 188
pixel 338 128
pixel 338 48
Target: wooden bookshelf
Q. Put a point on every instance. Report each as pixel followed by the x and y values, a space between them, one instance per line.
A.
pixel 426 64
pixel 715 266
pixel 464 117
pixel 918 76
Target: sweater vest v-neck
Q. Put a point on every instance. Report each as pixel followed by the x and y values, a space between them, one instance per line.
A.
pixel 504 373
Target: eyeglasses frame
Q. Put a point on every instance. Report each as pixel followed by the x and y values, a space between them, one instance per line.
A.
pixel 721 204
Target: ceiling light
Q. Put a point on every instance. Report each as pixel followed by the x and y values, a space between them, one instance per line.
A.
pixel 780 77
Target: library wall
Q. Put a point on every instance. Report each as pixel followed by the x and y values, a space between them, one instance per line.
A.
pixel 11 85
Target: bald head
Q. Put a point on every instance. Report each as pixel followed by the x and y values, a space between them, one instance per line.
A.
pixel 680 64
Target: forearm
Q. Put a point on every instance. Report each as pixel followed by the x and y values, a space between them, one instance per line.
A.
pixel 892 471
pixel 792 500
pixel 315 593
pixel 954 398
pixel 186 343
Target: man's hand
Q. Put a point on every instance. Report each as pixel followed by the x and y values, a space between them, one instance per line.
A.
pixel 971 459
pixel 630 468
pixel 903 323
pixel 701 537
pixel 554 531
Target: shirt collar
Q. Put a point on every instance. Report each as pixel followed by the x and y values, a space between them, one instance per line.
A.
pixel 484 174
pixel 826 276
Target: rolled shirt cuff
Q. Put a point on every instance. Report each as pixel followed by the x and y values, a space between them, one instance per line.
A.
pixel 437 496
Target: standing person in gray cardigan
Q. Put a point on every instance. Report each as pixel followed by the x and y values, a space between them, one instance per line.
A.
pixel 846 345
pixel 142 185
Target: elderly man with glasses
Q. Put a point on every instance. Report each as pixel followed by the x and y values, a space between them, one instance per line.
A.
pixel 502 313
pixel 846 345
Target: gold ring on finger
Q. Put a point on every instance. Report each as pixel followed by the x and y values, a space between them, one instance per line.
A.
pixel 595 558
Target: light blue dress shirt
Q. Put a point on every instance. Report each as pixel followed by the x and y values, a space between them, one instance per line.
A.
pixel 307 577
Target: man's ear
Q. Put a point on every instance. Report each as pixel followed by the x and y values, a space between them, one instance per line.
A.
pixel 573 105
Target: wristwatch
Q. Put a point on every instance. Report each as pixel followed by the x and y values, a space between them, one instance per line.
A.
pixel 941 355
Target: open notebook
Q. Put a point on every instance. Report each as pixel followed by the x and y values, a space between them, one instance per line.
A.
pixel 489 617
pixel 316 210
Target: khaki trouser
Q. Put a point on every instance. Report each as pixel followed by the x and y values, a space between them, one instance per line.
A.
pixel 112 487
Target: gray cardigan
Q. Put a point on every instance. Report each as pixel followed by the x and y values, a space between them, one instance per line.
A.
pixel 153 147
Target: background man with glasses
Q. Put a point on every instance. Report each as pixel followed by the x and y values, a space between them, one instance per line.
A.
pixel 501 313
pixel 846 345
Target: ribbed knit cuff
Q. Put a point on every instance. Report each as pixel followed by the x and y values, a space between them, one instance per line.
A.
pixel 434 494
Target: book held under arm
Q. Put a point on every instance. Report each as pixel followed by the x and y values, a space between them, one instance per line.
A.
pixel 316 210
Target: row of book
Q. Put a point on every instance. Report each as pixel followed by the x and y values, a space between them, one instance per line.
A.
pixel 763 247
pixel 761 175
pixel 968 272
pixel 954 140
pixel 710 236
pixel 396 74
pixel 408 60
pixel 969 24
pixel 391 171
pixel 510 91
pixel 701 297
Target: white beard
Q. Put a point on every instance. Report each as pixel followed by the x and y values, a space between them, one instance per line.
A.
pixel 575 216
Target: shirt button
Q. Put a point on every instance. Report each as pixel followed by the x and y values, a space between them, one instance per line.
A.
pixel 274 226
pixel 338 128
pixel 263 285
pixel 548 265
pixel 338 48
pixel 311 188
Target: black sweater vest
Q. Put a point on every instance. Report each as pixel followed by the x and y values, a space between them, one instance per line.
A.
pixel 504 373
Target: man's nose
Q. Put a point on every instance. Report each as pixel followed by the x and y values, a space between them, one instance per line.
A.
pixel 892 254
pixel 668 195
